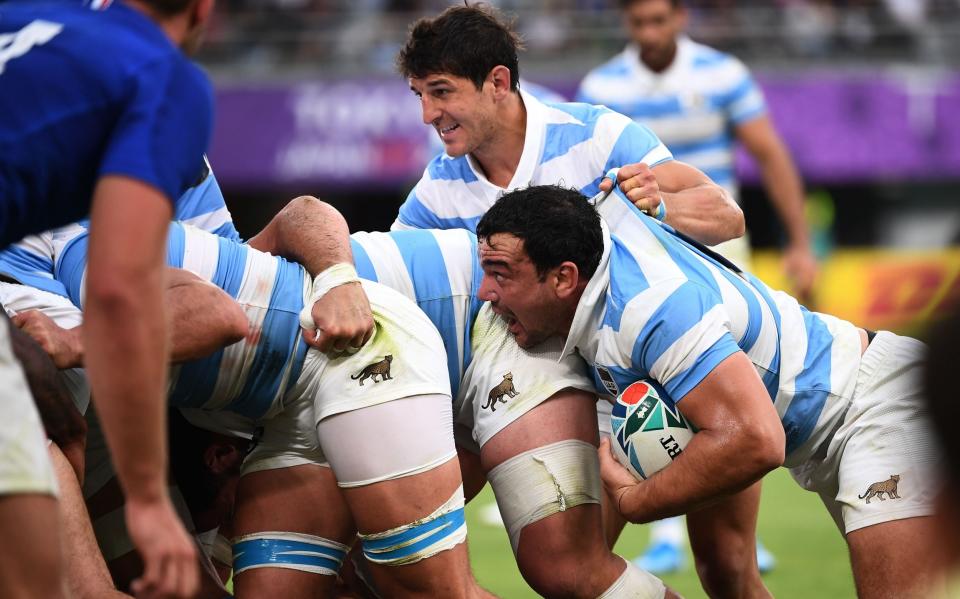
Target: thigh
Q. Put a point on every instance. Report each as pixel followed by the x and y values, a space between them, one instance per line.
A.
pixel 894 559
pixel 30 523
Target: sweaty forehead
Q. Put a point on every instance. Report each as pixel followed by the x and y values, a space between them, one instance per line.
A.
pixel 435 79
pixel 503 248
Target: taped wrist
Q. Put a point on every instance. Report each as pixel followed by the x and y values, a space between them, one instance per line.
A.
pixel 336 275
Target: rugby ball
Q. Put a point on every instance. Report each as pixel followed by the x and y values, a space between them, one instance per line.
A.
pixel 647 430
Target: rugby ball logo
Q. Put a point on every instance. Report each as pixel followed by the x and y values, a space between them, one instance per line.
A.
pixel 648 431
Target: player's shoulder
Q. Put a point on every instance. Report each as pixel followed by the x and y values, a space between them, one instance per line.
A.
pixel 615 67
pixel 706 59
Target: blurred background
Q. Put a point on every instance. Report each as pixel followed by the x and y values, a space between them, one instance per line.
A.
pixel 866 94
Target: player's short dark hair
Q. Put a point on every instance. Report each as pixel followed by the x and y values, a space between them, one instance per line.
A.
pixel 169 8
pixel 556 225
pixel 625 4
pixel 466 41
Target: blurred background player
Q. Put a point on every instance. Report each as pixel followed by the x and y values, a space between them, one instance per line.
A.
pixel 700 101
pixel 120 135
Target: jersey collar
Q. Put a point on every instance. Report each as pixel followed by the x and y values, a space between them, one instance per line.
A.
pixel 591 306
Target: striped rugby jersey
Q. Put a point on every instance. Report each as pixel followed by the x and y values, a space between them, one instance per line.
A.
pixel 565 143
pixel 692 106
pixel 661 308
pixel 439 270
pixel 247 377
pixel 31 260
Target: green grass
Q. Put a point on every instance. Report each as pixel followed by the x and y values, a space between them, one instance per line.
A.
pixel 811 555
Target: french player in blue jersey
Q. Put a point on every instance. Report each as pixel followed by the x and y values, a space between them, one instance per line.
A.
pixel 102 113
pixel 700 101
pixel 764 381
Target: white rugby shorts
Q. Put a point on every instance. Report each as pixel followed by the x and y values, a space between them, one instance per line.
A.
pixel 880 464
pixel 24 462
pixel 404 359
pixel 504 381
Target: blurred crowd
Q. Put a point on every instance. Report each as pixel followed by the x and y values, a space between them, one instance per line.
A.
pixel 347 35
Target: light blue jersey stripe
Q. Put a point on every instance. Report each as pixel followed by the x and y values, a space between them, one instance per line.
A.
pixel 362 263
pixel 812 384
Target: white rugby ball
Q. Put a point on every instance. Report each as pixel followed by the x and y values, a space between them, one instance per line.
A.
pixel 648 431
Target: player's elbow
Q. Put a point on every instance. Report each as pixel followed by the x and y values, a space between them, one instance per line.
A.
pixel 726 219
pixel 765 448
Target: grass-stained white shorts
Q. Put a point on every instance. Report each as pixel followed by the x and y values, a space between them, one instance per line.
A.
pixel 880 464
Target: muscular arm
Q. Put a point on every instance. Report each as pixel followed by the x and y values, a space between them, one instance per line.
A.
pixel 783 186
pixel 695 205
pixel 739 439
pixel 315 234
pixel 126 330
pixel 203 319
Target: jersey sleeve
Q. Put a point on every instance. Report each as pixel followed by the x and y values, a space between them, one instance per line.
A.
pixel 685 335
pixel 414 214
pixel 163 128
pixel 204 207
pixel 743 100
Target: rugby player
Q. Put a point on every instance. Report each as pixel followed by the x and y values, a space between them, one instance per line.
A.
pixel 391 489
pixel 102 110
pixel 463 66
pixel 700 101
pixel 764 382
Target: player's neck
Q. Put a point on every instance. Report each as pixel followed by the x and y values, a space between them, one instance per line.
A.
pixel 500 156
pixel 661 62
pixel 174 27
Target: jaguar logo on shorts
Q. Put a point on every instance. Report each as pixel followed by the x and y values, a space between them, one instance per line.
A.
pixel 496 394
pixel 877 490
pixel 607 379
pixel 381 368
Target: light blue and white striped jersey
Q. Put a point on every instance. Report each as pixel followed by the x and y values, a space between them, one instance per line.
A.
pixel 439 270
pixel 661 307
pixel 30 260
pixel 692 106
pixel 566 143
pixel 248 377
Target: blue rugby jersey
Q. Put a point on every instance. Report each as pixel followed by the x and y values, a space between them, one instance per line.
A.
pixel 31 260
pixel 565 143
pixel 86 94
pixel 438 270
pixel 247 377
pixel 659 307
pixel 692 106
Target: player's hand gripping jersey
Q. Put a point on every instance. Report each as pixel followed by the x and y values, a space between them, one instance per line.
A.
pixel 661 307
pixel 566 143
pixel 143 114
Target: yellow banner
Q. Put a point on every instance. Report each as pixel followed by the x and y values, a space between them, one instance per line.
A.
pixel 879 289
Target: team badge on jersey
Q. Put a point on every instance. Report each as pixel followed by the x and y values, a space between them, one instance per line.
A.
pixel 607 379
pixel 496 394
pixel 381 368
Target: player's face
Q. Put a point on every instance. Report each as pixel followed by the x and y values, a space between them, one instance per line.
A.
pixel 516 291
pixel 463 116
pixel 654 26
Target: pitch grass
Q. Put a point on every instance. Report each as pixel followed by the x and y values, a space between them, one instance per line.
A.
pixel 811 556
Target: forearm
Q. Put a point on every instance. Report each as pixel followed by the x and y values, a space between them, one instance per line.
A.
pixel 783 185
pixel 203 317
pixel 126 366
pixel 712 466
pixel 705 212
pixel 307 231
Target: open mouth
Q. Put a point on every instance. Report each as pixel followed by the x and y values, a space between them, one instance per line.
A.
pixel 445 131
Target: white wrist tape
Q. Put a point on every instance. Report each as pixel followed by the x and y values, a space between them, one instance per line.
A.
pixel 336 275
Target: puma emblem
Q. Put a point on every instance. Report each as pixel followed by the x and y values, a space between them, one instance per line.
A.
pixel 888 486
pixel 382 368
pixel 496 394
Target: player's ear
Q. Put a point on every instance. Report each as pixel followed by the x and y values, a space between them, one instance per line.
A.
pixel 567 279
pixel 202 11
pixel 500 77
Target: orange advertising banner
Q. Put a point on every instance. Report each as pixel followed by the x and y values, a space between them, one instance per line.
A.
pixel 902 291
